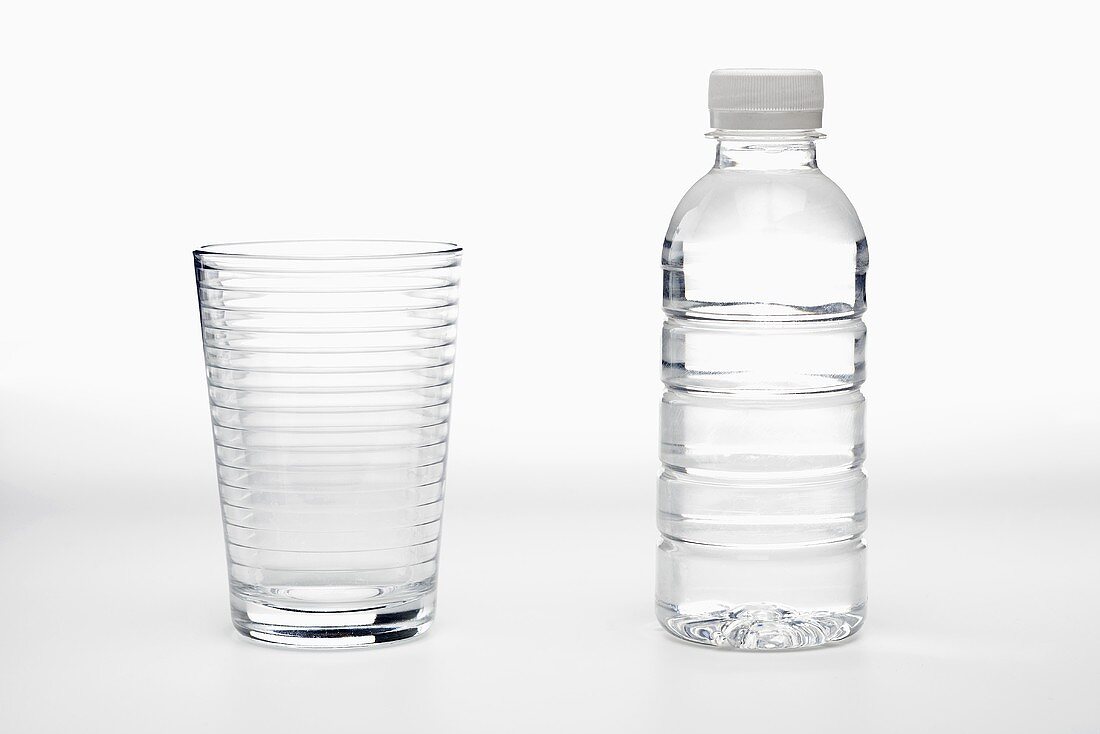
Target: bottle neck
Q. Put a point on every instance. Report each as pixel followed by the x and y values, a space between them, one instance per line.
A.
pixel 766 150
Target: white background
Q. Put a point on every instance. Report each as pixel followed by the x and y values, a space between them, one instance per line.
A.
pixel 552 141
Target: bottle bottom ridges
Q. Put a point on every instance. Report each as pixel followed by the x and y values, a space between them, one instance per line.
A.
pixel 761 626
pixel 762 597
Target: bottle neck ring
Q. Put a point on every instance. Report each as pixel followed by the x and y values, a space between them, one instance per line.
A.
pixel 766 150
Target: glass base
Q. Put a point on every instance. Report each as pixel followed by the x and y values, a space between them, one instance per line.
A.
pixel 320 629
pixel 762 626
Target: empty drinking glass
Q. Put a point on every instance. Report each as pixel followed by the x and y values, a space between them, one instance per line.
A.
pixel 329 366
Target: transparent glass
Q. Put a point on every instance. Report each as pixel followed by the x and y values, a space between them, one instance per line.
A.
pixel 329 365
pixel 762 501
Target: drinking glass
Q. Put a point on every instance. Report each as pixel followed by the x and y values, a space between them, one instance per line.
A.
pixel 329 365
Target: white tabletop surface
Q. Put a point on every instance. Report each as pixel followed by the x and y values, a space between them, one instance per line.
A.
pixel 982 619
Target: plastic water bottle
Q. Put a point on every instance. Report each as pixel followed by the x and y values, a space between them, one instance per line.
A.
pixel 762 501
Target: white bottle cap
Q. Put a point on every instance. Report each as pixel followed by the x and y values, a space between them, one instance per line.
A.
pixel 766 99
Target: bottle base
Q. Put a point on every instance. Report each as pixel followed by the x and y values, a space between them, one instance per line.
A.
pixel 761 626
pixel 327 630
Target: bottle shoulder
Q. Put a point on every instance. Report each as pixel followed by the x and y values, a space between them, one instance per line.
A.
pixel 783 203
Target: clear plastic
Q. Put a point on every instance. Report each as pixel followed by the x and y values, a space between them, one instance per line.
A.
pixel 762 502
pixel 329 366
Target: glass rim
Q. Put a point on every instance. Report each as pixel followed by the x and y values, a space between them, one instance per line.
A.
pixel 254 250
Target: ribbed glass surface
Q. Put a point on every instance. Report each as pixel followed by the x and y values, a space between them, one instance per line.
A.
pixel 329 365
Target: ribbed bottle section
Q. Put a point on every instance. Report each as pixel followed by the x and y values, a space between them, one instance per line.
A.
pixel 762 501
pixel 330 386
